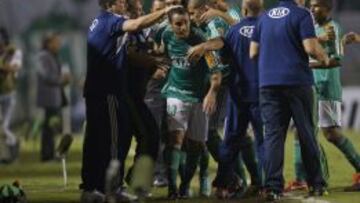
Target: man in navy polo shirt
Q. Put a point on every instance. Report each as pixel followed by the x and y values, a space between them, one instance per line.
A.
pixel 105 90
pixel 284 38
pixel 243 103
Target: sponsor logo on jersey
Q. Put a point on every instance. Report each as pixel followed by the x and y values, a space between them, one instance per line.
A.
pixel 247 31
pixel 280 12
pixel 94 24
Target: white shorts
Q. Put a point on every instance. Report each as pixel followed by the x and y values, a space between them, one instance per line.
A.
pixel 188 117
pixel 329 114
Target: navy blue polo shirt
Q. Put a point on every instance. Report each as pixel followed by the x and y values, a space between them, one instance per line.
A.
pixel 280 32
pixel 106 56
pixel 238 41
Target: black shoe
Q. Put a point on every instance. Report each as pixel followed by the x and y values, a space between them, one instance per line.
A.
pixel 271 196
pixel 92 197
pixel 172 195
pixel 184 192
pixel 317 192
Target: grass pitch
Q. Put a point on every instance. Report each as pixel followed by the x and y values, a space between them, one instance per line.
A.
pixel 43 182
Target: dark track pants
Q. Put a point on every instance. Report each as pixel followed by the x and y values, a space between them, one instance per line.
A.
pixel 278 105
pixel 238 117
pixel 107 137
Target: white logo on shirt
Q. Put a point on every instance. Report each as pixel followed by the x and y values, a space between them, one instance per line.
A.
pixel 247 31
pixel 94 24
pixel 278 12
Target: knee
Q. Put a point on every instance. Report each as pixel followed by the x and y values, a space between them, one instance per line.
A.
pixel 330 134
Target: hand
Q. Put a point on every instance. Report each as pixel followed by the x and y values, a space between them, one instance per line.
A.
pixel 196 52
pixel 160 73
pixel 330 35
pixel 209 14
pixel 65 78
pixel 168 9
pixel 327 62
pixel 209 103
pixel 349 38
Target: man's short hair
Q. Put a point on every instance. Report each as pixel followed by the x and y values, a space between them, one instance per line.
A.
pixel 105 4
pixel 327 3
pixel 179 11
pixel 197 3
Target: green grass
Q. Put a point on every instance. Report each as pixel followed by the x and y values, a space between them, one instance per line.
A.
pixel 43 182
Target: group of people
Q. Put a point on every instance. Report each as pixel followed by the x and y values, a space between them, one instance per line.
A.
pixel 169 77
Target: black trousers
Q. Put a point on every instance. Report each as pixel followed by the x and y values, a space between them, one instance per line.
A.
pixel 107 137
pixel 47 151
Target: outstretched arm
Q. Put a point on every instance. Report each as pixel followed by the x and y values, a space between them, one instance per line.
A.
pixel 198 51
pixel 133 25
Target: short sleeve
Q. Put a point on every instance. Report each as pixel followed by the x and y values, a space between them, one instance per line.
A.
pixel 307 28
pixel 17 59
pixel 117 23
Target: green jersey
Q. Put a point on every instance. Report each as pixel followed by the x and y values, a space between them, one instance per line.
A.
pixel 235 13
pixel 186 80
pixel 215 28
pixel 327 81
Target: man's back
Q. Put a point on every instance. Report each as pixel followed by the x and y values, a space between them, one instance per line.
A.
pixel 238 41
pixel 106 55
pixel 280 32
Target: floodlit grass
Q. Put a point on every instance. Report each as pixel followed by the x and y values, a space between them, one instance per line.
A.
pixel 43 182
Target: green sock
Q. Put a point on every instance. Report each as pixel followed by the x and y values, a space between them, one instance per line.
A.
pixel 347 148
pixel 240 169
pixel 182 165
pixel 299 166
pixel 192 160
pixel 250 160
pixel 213 144
pixel 174 157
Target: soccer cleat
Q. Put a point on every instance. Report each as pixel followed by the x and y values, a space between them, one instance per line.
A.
pixel 92 197
pixel 296 186
pixel 356 184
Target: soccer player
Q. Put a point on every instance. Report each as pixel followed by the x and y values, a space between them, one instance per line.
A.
pixel 329 90
pixel 188 103
pixel 105 92
pixel 243 107
pixel 283 39
pixel 213 29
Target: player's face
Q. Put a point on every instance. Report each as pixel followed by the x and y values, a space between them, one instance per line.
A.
pixel 319 11
pixel 157 5
pixel 169 3
pixel 55 44
pixel 300 2
pixel 196 13
pixel 181 25
pixel 138 9
pixel 119 7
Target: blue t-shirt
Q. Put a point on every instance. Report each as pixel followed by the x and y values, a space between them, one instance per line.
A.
pixel 106 56
pixel 245 74
pixel 280 32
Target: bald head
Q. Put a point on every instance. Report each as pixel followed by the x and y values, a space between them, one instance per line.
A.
pixel 252 7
